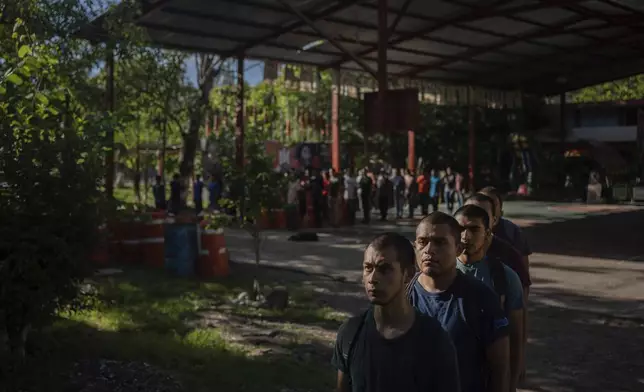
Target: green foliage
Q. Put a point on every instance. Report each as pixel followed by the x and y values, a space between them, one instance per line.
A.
pixel 620 90
pixel 256 186
pixel 51 156
pixel 280 110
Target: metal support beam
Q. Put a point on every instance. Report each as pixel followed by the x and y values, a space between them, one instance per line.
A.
pixel 328 37
pixel 470 16
pixel 411 150
pixel 239 125
pixel 290 27
pixel 335 120
pixel 109 106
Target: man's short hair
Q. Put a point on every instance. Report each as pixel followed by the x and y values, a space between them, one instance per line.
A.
pixel 473 212
pixel 405 253
pixel 482 198
pixel 493 192
pixel 441 218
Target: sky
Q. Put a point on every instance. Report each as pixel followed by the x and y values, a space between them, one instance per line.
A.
pixel 253 74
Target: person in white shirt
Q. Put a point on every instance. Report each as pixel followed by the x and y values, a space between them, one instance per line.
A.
pixel 351 195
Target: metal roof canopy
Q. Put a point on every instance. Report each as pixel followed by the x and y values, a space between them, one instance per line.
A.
pixel 537 46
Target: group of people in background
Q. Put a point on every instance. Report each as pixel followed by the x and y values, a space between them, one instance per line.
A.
pixel 174 204
pixel 328 193
pixel 448 309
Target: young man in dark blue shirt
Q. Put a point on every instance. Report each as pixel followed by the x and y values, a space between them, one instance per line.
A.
pixel 392 347
pixel 197 194
pixel 476 238
pixel 466 308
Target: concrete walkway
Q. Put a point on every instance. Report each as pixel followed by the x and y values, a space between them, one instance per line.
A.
pixel 585 257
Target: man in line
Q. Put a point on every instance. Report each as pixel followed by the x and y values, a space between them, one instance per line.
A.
pixel 466 308
pixel 476 238
pixel 391 347
pixel 506 229
pixel 423 192
pixel 500 249
pixel 449 182
pixel 398 182
pixel 351 195
pixel 411 191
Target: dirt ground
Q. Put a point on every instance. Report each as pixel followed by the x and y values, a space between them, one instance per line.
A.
pixel 586 317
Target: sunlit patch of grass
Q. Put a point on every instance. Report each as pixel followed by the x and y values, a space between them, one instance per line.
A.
pixel 145 316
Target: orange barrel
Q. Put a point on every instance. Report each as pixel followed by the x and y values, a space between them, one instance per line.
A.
pixel 117 233
pixel 264 219
pixel 213 255
pixel 158 214
pixel 153 252
pixel 152 229
pixel 131 245
pixel 279 219
pixel 100 253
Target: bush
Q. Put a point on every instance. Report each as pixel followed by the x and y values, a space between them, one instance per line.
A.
pixel 51 207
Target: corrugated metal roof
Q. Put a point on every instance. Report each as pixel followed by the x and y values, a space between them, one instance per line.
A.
pixel 538 46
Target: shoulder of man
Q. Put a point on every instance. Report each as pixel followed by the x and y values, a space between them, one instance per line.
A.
pixel 503 251
pixel 514 290
pixel 481 303
pixel 349 331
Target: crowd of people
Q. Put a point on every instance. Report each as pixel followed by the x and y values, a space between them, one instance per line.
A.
pixel 448 310
pixel 328 194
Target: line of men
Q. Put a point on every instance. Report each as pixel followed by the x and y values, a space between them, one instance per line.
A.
pixel 448 312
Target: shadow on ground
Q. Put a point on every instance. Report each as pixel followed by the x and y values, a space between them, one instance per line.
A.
pixel 574 350
pixel 611 236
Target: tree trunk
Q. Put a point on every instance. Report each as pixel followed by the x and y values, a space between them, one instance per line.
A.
pixel 207 72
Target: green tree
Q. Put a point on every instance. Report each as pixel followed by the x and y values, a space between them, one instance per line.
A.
pixel 51 158
pixel 619 90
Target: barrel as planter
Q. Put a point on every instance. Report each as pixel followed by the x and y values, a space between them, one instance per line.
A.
pixel 153 243
pixel 131 244
pixel 213 258
pixel 264 221
pixel 181 248
pixel 100 253
pixel 278 220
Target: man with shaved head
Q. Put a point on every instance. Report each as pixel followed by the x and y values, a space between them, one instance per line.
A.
pixel 392 347
pixel 466 308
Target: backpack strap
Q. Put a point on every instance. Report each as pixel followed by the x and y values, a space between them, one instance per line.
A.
pixel 352 329
pixel 497 273
pixel 410 285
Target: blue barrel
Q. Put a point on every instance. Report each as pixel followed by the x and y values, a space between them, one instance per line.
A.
pixel 181 248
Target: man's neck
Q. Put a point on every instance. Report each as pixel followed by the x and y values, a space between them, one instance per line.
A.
pixel 437 283
pixel 395 318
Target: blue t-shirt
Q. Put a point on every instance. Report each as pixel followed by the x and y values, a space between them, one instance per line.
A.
pixel 481 271
pixel 470 336
pixel 433 185
pixel 197 190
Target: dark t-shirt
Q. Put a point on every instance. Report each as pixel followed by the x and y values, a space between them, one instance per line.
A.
pixel 470 336
pixel 502 250
pixel 421 360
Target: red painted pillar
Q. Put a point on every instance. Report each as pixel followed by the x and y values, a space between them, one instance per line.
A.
pixel 239 128
pixel 471 139
pixel 411 150
pixel 335 121
pixel 383 41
